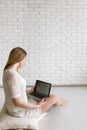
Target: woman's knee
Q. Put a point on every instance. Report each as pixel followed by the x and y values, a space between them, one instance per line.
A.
pixel 54 97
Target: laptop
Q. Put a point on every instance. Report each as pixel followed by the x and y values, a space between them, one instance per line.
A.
pixel 41 90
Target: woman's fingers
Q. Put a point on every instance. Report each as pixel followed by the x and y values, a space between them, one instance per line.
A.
pixel 43 101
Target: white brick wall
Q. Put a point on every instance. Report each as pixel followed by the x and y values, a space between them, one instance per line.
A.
pixel 53 32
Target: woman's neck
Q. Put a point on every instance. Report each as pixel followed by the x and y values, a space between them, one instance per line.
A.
pixel 15 67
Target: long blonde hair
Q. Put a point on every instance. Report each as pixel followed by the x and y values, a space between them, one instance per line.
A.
pixel 16 55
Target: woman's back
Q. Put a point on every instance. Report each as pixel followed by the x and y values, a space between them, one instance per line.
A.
pixel 14 86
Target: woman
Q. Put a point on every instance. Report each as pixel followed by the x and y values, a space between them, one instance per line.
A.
pixel 15 89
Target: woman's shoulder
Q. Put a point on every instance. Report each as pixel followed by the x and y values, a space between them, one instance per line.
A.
pixel 10 76
pixel 10 73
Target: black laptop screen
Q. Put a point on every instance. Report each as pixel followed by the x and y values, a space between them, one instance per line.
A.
pixel 43 88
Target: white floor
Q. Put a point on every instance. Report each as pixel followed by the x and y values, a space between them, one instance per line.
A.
pixel 72 117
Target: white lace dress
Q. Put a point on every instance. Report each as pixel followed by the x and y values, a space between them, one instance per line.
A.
pixel 15 86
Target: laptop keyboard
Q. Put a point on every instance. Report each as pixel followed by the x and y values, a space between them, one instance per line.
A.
pixel 37 95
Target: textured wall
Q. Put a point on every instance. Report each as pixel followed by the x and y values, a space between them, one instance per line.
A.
pixel 53 32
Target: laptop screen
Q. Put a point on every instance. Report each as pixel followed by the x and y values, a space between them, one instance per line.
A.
pixel 43 88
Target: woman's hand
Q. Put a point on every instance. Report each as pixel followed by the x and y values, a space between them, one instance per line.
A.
pixel 30 90
pixel 42 102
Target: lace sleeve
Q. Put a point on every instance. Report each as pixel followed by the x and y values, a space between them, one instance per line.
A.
pixel 13 84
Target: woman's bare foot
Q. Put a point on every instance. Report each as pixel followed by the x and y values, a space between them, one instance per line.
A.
pixel 61 102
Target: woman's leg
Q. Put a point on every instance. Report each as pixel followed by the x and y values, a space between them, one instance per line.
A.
pixel 53 100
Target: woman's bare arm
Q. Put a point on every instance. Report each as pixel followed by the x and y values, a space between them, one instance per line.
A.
pixel 20 103
pixel 30 90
